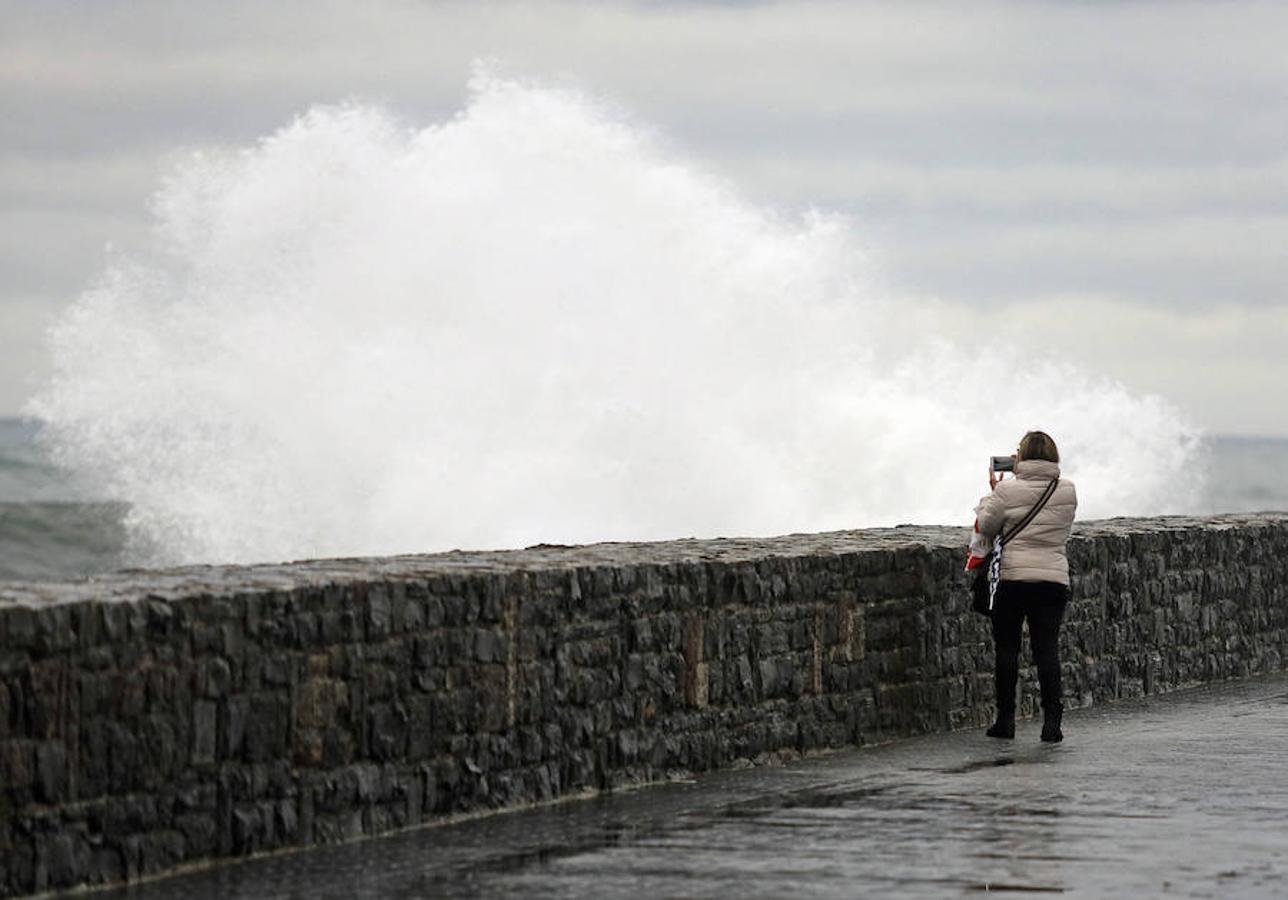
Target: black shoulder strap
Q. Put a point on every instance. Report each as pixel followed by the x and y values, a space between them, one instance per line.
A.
pixel 1037 508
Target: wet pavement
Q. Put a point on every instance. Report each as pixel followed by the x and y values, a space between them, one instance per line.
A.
pixel 1180 795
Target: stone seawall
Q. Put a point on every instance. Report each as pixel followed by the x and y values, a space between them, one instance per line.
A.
pixel 150 720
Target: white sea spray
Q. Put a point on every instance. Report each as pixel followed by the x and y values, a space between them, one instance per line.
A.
pixel 532 323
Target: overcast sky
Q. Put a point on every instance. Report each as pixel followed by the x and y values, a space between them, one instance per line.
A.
pixel 1108 181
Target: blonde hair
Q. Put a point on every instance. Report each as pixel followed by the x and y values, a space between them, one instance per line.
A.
pixel 1039 445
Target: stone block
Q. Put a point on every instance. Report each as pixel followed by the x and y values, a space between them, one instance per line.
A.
pixel 388 725
pixel 51 772
pixel 214 678
pixel 19 627
pixel 267 728
pixel 496 591
pixel 235 713
pixel 104 865
pixel 248 829
pixel 204 732
pixel 161 852
pixel 378 612
pixel 62 860
pixel 198 832
pixel 339 828
pixel 489 645
pixel 278 669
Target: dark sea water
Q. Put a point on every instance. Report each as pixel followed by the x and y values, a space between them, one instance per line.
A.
pixel 52 527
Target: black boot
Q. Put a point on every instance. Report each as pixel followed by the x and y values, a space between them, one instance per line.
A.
pixel 1004 727
pixel 1051 716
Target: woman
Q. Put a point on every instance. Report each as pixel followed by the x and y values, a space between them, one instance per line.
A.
pixel 1034 576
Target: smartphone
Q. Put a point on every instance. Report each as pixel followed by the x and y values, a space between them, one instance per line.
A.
pixel 1003 463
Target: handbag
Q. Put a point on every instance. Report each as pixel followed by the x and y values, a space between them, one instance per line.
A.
pixel 983 589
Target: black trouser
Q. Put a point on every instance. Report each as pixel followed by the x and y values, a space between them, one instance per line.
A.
pixel 1042 603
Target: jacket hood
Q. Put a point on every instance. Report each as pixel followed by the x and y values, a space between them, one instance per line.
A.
pixel 1037 468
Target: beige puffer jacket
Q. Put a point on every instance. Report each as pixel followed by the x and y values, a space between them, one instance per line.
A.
pixel 1038 552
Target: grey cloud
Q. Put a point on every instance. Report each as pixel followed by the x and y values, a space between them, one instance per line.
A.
pixel 1019 192
pixel 1198 359
pixel 54 253
pixel 99 182
pixel 991 153
pixel 1180 263
pixel 24 358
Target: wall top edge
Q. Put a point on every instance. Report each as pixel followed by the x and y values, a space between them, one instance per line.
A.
pixel 225 580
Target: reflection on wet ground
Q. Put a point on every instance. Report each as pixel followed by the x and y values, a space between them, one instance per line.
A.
pixel 1183 795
